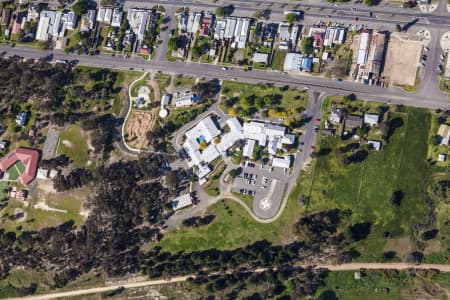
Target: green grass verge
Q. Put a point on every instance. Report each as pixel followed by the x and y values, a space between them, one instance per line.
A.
pixel 183 82
pixel 280 99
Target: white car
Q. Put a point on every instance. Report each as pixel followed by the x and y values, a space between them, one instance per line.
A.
pixel 224 68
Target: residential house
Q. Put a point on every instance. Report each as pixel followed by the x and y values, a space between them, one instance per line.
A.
pixel 371 119
pixel 117 16
pixel 137 19
pixel 88 21
pixel 353 122
pixel 22 118
pixel 206 25
pixel 444 134
pixel 70 20
pixel 33 12
pixel 183 21
pixel 262 58
pixel 283 32
pixel 194 22
pixel 318 39
pixel 336 116
pixel 18 23
pixel 104 16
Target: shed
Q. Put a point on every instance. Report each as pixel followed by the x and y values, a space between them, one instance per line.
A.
pixel 376 145
pixel 261 58
pixel 182 201
pixel 371 119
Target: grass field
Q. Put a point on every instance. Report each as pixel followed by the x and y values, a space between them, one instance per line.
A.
pixel 75 146
pixel 228 231
pixel 366 188
pixel 163 81
pixel 183 82
pixel 281 99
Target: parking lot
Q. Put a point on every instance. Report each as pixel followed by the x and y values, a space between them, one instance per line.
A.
pixel 265 184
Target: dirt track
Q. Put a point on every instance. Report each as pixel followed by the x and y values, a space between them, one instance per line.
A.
pixel 343 267
pixel 139 122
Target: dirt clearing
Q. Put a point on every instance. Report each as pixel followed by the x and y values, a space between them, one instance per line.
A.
pixel 139 122
pixel 402 60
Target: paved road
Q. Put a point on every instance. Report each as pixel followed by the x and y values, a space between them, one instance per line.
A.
pixel 331 87
pixel 341 267
pixel 385 14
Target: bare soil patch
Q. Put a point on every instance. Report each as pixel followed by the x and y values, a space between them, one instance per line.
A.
pixel 402 60
pixel 139 122
pixel 402 246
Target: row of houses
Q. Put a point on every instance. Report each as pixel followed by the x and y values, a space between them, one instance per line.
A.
pixel 327 36
pixel 203 23
pixel 338 115
pixel 235 29
pixel 53 24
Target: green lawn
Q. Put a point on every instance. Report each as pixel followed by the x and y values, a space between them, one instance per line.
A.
pixel 16 170
pixel 73 144
pixel 229 230
pixel 278 60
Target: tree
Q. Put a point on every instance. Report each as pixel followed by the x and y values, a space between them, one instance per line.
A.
pixel 398 28
pixel 220 11
pixel 171 180
pixel 81 7
pixel 435 140
pixel 307 45
pixel 172 43
pixel 369 2
pixel 290 18
pixel 232 112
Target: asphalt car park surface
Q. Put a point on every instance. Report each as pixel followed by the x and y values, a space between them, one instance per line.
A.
pixel 265 184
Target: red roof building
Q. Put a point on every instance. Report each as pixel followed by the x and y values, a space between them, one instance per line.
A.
pixel 206 25
pixel 29 158
pixel 318 40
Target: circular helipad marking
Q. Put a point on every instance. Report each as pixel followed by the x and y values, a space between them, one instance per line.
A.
pixel 265 204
